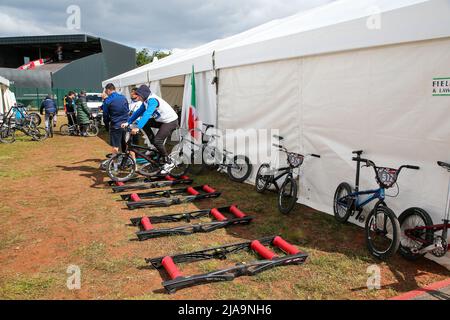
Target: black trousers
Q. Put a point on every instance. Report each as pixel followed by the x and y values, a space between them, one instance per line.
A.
pixel 165 132
pixel 71 118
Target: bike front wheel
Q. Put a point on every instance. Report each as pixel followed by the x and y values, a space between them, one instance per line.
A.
pixel 92 131
pixel 382 232
pixel 411 245
pixel 240 169
pixel 263 178
pixel 121 168
pixel 64 130
pixel 182 164
pixel 7 135
pixel 288 195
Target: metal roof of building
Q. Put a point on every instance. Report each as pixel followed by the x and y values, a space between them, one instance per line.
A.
pixel 69 38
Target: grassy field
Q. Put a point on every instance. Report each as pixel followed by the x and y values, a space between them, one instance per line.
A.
pixel 56 211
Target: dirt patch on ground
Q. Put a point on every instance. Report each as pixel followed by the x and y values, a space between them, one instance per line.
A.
pixel 56 211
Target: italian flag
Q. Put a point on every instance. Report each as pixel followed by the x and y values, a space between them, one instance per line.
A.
pixel 193 115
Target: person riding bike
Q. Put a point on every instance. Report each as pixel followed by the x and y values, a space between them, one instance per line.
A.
pixel 155 113
pixel 50 108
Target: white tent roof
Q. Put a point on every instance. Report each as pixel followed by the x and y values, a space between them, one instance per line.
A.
pixel 4 81
pixel 339 26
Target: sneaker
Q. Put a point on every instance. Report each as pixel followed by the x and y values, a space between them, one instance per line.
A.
pixel 168 167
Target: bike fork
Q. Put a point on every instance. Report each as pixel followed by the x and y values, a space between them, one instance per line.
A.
pixel 447 215
pixel 358 172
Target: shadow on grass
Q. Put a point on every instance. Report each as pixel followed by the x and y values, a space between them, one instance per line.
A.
pixel 93 173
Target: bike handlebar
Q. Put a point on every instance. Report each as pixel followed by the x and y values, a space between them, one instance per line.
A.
pixel 411 167
pixel 277 146
pixel 315 156
pixel 278 137
pixel 444 165
pixel 208 126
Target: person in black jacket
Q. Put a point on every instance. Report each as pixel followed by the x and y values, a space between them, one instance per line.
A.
pixel 70 108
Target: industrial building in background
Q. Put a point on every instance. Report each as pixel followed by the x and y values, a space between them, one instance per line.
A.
pixel 39 65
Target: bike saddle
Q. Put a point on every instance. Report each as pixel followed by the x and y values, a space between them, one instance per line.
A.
pixel 444 165
pixel 359 152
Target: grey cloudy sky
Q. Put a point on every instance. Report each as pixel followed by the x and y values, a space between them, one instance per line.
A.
pixel 162 24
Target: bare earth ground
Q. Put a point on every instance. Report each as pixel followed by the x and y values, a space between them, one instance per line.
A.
pixel 56 211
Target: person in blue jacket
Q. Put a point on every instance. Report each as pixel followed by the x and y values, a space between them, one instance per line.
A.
pixel 154 112
pixel 50 108
pixel 115 112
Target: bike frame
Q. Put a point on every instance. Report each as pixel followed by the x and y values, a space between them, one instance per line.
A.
pixel 281 173
pixel 359 204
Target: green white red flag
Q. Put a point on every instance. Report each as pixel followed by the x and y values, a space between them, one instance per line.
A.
pixel 193 114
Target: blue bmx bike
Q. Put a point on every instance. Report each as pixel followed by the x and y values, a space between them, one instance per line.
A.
pixel 382 226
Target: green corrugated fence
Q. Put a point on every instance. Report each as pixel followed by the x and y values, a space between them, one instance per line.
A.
pixel 32 97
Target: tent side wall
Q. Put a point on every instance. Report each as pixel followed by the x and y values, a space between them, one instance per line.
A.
pixel 379 100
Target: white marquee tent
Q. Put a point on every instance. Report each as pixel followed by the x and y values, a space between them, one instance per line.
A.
pixel 7 99
pixel 354 74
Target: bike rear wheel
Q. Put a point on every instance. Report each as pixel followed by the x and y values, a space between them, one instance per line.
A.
pixel 7 135
pixel 35 118
pixel 64 130
pixel 263 178
pixel 121 168
pixel 240 169
pixel 288 195
pixel 39 134
pixel 92 131
pixel 343 203
pixel 382 232
pixel 409 220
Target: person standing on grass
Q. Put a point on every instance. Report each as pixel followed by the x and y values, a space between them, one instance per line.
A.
pixel 83 113
pixel 70 108
pixel 49 107
pixel 115 112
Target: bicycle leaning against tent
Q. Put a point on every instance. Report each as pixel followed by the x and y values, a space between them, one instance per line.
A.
pixel 420 236
pixel 382 229
pixel 288 190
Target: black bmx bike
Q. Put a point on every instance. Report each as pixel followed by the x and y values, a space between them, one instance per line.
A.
pixel 288 189
pixel 123 167
pixel 74 129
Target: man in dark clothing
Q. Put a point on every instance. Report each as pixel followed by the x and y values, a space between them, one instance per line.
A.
pixel 70 108
pixel 115 112
pixel 83 113
pixel 50 108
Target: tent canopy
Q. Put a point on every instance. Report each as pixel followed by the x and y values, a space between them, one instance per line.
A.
pixel 4 81
pixel 339 26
